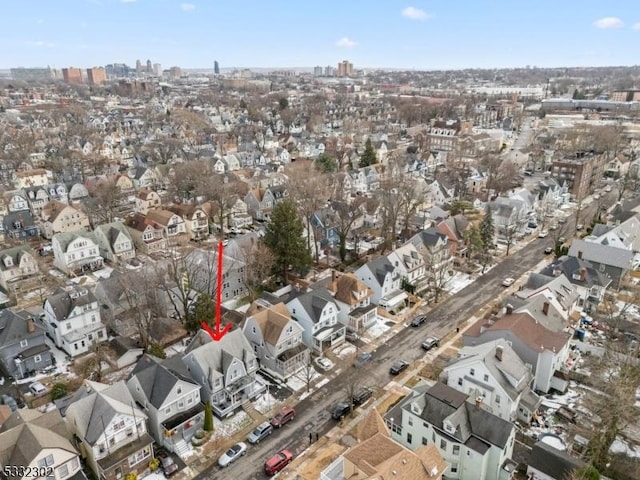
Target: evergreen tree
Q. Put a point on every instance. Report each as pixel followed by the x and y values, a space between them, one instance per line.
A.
pixel 208 417
pixel 474 240
pixel 369 156
pixel 326 163
pixel 487 234
pixel 284 237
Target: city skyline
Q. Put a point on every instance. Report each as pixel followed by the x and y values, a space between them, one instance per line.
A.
pixel 248 33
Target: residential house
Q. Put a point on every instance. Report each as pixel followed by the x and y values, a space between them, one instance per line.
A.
pixel 372 177
pixel 58 217
pixel 384 280
pixel 39 196
pixel 144 177
pixel 239 215
pixel 545 350
pixel 168 395
pixel 510 218
pixel 411 267
pixel 589 282
pixel 353 297
pixel 276 340
pixel 548 463
pixel 195 219
pixel 622 235
pixel 76 252
pixel 476 444
pixel 19 226
pixel 454 228
pixel 358 182
pixel 115 242
pixel 16 201
pixel 30 439
pixel 260 201
pixel 110 430
pixel 72 319
pixel 433 246
pixel 23 349
pixel 378 456
pixel 18 269
pixel 148 236
pixel 614 262
pixel 77 191
pixel 172 224
pixel 31 178
pixel 146 200
pixel 225 370
pixel 438 193
pixel 325 224
pixel 493 372
pixel 231 163
pixel 317 313
pixel 201 270
pixel 123 183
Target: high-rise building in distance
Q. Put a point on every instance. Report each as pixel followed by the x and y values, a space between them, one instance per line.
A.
pixel 329 71
pixel 21 73
pixel 157 69
pixel 317 71
pixel 216 67
pixel 96 75
pixel 149 67
pixel 138 67
pixel 345 69
pixel 175 72
pixel 72 75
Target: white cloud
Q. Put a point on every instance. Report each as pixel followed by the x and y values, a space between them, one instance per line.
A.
pixel 415 13
pixel 636 26
pixel 608 23
pixel 40 43
pixel 345 42
pixel 187 7
pixel 128 1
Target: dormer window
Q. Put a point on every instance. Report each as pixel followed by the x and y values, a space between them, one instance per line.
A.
pixel 8 261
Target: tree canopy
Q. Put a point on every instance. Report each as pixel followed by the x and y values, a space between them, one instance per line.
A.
pixel 284 237
pixel 369 156
pixel 326 163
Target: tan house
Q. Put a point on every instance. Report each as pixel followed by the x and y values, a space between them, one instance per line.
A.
pixel 148 236
pixel 58 217
pixel 18 265
pixel 172 223
pixel 31 178
pixel 354 301
pixel 195 218
pixel 377 456
pixel 147 199
pixel 123 182
pixel 115 241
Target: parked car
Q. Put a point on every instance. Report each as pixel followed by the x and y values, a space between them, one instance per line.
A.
pixel 231 455
pixel 261 432
pixel 285 415
pixel 277 462
pixel 553 226
pixel 37 388
pixel 579 227
pixel 561 240
pixel 9 401
pixel 363 358
pixel 361 396
pixel 398 367
pixel 340 410
pixel 507 282
pixel 532 225
pixel 168 465
pixel 324 363
pixel 548 250
pixel 419 320
pixel 607 188
pixel 543 234
pixel 430 342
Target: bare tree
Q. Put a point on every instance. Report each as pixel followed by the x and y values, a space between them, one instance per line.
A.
pixel 439 269
pixel 258 265
pixel 509 234
pixel 103 202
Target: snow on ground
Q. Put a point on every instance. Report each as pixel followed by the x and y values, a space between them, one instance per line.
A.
pixel 157 475
pixel 378 328
pixel 345 350
pixel 619 445
pixel 266 403
pixel 554 440
pixel 104 272
pixel 315 387
pixel 175 349
pixel 299 381
pixel 229 426
pixel 568 399
pixel 457 282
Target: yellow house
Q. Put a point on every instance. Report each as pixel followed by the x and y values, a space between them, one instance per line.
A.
pixel 60 218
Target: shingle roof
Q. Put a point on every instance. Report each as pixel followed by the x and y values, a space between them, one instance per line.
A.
pixel 603 254
pixel 553 462
pixel 63 304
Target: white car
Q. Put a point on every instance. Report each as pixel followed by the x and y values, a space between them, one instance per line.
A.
pixel 507 282
pixel 37 388
pixel 324 363
pixel 543 234
pixel 231 455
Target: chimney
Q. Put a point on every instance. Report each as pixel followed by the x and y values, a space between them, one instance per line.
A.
pixel 545 308
pixel 333 276
pixel 31 326
pixel 499 352
pixel 583 273
pixel 509 309
pixel 580 254
pixel 478 401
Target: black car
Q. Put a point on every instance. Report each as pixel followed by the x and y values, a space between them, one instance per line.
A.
pixel 419 320
pixel 340 410
pixel 398 367
pixel 361 396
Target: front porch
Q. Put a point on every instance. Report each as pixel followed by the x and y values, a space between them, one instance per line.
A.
pixel 133 457
pixel 393 301
pixel 362 318
pixel 226 401
pixel 182 427
pixel 329 337
pixel 291 361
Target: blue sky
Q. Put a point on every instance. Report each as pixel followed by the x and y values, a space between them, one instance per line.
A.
pixel 304 33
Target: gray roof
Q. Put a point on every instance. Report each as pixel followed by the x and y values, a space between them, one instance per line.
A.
pixel 428 237
pixel 110 233
pixel 602 254
pixel 314 302
pixel 570 266
pixel 16 253
pixel 553 462
pixel 93 412
pixel 63 304
pixel 380 267
pixel 64 239
pixel 14 327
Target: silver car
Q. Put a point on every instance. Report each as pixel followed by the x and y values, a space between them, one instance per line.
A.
pixel 260 432
pixel 231 455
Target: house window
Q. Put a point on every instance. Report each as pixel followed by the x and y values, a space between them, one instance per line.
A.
pixel 37 359
pixel 424 441
pixel 189 400
pixel 460 381
pixel 602 267
pixel 498 399
pixel 75 463
pixel 46 461
pixel 472 372
pixel 168 410
pixel 409 438
pixel 433 436
pixel 443 444
pixel 454 468
pixel 410 422
pixel 456 449
pixel 23 343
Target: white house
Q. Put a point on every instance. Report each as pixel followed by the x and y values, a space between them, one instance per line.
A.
pixel 170 400
pixel 476 444
pixel 384 280
pixel 76 251
pixel 410 265
pixel 72 319
pixel 317 313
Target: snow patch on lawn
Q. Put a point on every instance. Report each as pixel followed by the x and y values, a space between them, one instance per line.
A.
pixel 299 381
pixel 619 445
pixel 378 328
pixel 229 426
pixel 266 403
pixel 345 350
pixel 320 384
pixel 457 282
